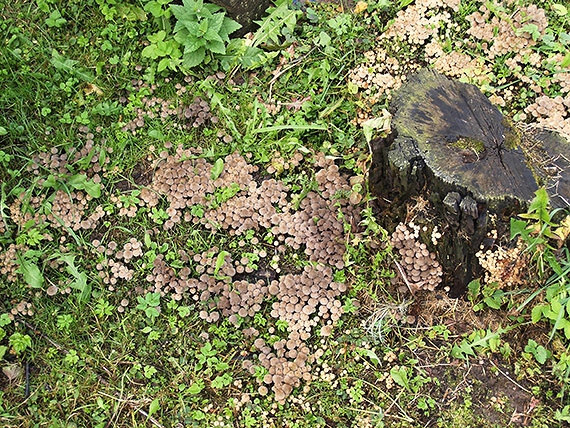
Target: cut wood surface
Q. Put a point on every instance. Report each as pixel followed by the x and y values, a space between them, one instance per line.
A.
pixel 451 146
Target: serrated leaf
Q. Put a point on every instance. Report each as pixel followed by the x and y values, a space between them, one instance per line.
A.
pixel 541 354
pixel 474 288
pixel 216 22
pixel 5 320
pixel 540 205
pixel 192 44
pixel 229 26
pixel 194 58
pixel 270 27
pixel 152 299
pixel 80 278
pixel 151 312
pixel 216 47
pixel 518 227
pixel 212 35
pixel 3 350
pixel 68 65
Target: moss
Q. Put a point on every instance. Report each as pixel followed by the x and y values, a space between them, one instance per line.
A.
pixel 513 135
pixel 469 143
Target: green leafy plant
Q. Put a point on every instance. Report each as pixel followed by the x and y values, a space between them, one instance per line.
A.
pixel 539 352
pixel 278 25
pixel 55 19
pixel 20 342
pixel 149 304
pixel 478 341
pixel 77 181
pixel 490 295
pixel 5 158
pixel 543 236
pixel 202 30
pixel 165 48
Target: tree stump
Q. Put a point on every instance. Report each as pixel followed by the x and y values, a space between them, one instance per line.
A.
pixel 245 12
pixel 449 145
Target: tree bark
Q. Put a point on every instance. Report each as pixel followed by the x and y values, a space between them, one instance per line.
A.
pixel 449 145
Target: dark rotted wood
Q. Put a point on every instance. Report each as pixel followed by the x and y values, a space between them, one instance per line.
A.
pixel 450 145
pixel 245 12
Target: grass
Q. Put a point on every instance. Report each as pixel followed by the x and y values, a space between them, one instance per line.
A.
pixel 126 353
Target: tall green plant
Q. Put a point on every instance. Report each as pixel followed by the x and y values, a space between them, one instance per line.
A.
pixel 202 30
pixel 543 236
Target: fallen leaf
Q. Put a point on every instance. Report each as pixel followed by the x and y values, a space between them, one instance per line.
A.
pixel 90 88
pixel 361 6
pixel 12 372
pixel 563 230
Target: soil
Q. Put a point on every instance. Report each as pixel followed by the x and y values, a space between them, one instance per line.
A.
pixel 497 399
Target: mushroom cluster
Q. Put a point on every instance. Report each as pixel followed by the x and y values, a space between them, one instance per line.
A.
pixel 552 113
pixel 24 209
pixel 266 224
pixel 316 227
pixel 53 161
pixel 504 32
pixel 188 182
pixel 9 261
pixel 69 211
pixel 421 21
pixel 505 266
pixel 110 269
pixel 279 163
pixel 68 208
pixel 186 116
pixel 57 161
pixel 376 78
pixel 305 299
pixel 164 280
pixel 286 365
pixel 422 270
pixel 23 308
pixel 252 210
